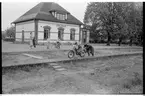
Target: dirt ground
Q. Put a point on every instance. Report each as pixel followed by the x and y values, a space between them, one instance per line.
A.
pixel 119 75
pixel 19 57
pixel 14 47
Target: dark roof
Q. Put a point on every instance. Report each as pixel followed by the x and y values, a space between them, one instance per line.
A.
pixel 42 12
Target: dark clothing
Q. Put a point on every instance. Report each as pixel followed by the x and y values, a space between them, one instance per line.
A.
pixel 34 43
pixel 77 48
pixel 89 49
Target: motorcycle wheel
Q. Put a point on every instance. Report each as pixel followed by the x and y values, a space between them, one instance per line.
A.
pixel 71 54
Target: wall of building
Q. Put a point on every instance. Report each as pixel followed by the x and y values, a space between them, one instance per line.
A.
pixel 54 30
pixel 27 27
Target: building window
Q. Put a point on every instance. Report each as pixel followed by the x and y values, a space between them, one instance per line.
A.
pixel 46 32
pixel 59 16
pixel 72 34
pixel 60 33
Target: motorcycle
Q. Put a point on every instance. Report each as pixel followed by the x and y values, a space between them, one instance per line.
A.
pixel 73 52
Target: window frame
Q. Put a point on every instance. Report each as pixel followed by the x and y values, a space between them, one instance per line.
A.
pixel 61 33
pixel 46 32
pixel 72 34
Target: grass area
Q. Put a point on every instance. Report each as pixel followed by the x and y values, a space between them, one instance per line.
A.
pixel 121 75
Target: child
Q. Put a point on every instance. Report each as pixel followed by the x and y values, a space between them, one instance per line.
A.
pixel 77 47
pixel 58 44
pixel 34 42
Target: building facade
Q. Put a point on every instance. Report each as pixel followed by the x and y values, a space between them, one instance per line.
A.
pixel 49 20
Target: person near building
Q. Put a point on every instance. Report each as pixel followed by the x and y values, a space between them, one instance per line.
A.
pixel 89 49
pixel 34 42
pixel 58 44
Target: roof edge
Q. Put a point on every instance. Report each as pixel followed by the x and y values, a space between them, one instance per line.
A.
pixel 61 22
pixel 22 21
pixel 46 20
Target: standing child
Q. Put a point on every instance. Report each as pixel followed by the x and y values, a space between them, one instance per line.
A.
pixel 34 43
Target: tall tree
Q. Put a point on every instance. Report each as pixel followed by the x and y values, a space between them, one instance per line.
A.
pixel 100 14
pixel 121 27
pixel 134 21
pixel 117 19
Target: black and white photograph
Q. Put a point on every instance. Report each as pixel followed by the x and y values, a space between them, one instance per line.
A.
pixel 84 48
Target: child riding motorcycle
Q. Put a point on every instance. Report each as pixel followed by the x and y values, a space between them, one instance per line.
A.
pixel 77 48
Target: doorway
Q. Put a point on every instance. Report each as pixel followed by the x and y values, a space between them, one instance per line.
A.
pixel 84 36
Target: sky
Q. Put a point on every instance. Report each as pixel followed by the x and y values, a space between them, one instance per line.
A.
pixel 13 10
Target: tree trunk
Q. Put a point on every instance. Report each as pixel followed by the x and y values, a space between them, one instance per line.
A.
pixel 109 39
pixel 131 39
pixel 130 43
pixel 120 41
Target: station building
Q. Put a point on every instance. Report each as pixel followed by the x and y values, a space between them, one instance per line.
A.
pixel 49 20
